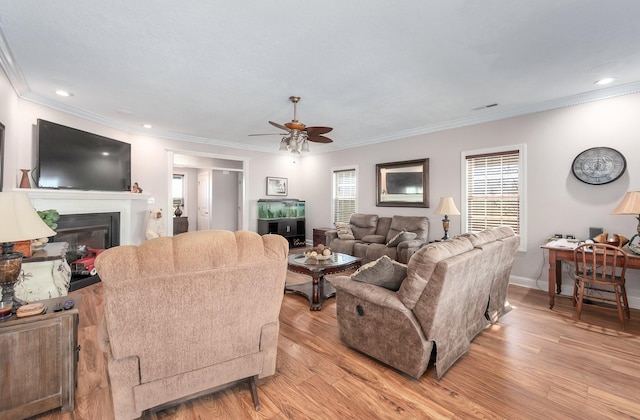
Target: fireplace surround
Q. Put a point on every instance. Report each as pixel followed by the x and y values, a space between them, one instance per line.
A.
pixel 93 219
pixel 131 207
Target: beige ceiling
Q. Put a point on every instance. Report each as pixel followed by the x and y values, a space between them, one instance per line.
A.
pixel 216 71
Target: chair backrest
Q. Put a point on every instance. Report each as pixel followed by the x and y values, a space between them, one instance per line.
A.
pixel 600 263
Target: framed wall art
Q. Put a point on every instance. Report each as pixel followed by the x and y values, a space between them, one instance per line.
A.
pixel 403 184
pixel 277 186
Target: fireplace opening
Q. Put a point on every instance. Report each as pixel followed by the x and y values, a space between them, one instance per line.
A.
pixel 86 234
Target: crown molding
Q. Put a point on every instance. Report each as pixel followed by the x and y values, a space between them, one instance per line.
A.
pixel 582 98
pixel 10 68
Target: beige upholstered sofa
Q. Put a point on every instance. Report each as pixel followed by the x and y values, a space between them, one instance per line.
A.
pixel 189 314
pixel 451 291
pixel 371 236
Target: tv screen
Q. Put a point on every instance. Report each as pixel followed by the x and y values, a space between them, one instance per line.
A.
pixel 74 159
pixel 404 183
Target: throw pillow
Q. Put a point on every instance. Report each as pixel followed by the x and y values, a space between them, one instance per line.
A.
pixel 344 230
pixel 382 272
pixel 401 237
pixel 398 276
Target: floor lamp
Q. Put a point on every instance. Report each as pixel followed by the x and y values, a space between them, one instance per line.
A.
pixel 445 208
pixel 20 222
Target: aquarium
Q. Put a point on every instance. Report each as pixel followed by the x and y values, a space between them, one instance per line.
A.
pixel 280 209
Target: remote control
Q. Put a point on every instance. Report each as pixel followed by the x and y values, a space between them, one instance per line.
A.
pixel 58 307
pixel 68 304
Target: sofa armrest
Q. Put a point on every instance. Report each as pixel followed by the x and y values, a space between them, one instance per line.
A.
pixel 330 235
pixel 368 292
pixel 414 243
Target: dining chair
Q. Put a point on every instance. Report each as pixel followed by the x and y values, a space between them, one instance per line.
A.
pixel 600 275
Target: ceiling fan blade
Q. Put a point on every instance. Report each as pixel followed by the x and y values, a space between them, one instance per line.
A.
pixel 280 126
pixel 316 131
pixel 270 134
pixel 319 139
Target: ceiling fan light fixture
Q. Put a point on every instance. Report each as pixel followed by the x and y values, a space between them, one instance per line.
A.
pixel 305 145
pixel 283 145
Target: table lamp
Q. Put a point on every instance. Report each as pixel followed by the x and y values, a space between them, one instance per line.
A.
pixel 19 222
pixel 630 204
pixel 446 207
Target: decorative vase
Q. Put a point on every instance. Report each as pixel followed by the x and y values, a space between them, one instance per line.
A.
pixel 178 212
pixel 24 182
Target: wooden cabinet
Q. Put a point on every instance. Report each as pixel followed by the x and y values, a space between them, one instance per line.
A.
pixel 180 225
pixel 38 356
pixel 319 236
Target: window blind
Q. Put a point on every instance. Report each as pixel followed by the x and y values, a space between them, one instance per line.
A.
pixel 493 190
pixel 344 194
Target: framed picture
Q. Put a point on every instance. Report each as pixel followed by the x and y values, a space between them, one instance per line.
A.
pixel 403 184
pixel 276 186
pixel 1 154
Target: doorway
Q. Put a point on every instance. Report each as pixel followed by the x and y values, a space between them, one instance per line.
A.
pixel 214 189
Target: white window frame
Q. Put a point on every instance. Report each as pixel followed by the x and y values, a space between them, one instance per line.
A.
pixel 184 187
pixel 522 181
pixel 333 186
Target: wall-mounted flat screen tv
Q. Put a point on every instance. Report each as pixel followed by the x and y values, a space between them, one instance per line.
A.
pixel 74 159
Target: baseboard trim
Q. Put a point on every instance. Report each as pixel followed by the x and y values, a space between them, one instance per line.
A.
pixel 566 289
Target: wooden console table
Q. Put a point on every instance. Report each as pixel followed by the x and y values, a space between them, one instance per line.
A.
pixel 180 225
pixel 40 355
pixel 557 255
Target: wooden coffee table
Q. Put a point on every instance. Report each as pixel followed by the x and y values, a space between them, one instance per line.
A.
pixel 318 290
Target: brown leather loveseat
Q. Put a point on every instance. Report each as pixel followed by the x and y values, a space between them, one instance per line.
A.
pixel 375 236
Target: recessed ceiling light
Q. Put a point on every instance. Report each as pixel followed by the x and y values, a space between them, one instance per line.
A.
pixel 147 125
pixel 63 93
pixel 105 153
pixel 605 81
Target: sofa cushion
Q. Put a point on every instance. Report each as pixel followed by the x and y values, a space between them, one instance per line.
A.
pixel 374 239
pixel 363 224
pixel 417 224
pixel 383 272
pixel 401 237
pixel 344 230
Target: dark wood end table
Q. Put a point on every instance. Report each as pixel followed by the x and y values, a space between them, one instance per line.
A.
pixel 318 289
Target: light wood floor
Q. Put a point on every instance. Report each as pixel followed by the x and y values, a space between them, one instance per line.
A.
pixel 535 363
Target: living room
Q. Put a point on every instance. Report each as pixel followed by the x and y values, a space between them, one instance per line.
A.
pixel 554 133
pixel 556 201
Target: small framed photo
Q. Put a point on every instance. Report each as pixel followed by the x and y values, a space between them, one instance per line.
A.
pixel 277 186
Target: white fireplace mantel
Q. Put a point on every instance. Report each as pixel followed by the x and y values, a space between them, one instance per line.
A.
pixel 131 206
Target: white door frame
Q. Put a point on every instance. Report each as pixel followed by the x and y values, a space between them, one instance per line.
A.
pixel 243 222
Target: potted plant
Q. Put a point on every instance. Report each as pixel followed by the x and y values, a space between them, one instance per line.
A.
pixel 50 218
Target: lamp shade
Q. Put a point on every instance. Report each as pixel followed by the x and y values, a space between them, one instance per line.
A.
pixel 630 204
pixel 447 207
pixel 19 221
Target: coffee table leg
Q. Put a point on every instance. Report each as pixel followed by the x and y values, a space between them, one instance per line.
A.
pixel 317 291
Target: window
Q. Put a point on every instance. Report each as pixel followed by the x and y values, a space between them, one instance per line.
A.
pixel 493 189
pixel 177 190
pixel 345 187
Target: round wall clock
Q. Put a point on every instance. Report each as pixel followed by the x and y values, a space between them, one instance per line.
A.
pixel 599 165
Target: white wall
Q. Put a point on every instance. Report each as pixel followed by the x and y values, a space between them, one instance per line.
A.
pixel 557 202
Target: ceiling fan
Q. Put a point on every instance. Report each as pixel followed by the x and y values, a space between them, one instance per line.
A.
pixel 297 136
